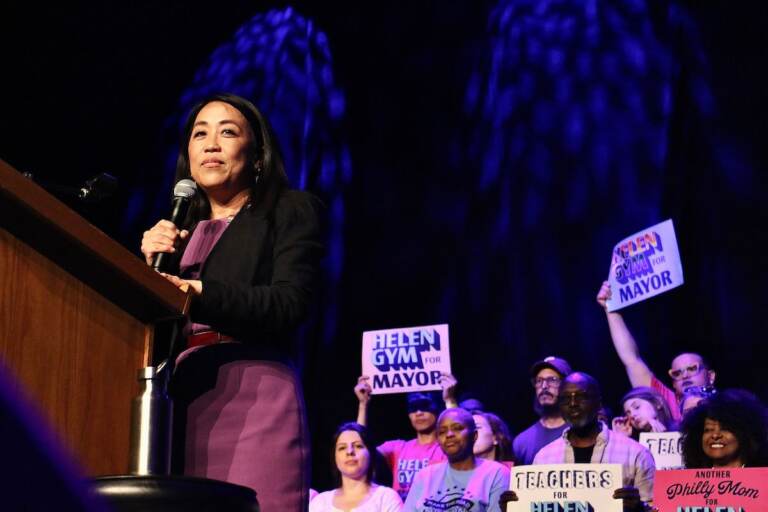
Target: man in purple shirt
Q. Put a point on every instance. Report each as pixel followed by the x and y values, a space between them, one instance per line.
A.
pixel 546 376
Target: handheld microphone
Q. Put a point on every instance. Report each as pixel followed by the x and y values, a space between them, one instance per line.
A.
pixel 183 193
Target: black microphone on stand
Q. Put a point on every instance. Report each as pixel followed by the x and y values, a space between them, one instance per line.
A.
pixel 183 193
pixel 94 190
pixel 98 188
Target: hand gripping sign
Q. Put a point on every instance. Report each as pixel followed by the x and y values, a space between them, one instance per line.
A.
pixel 566 488
pixel 406 359
pixel 644 265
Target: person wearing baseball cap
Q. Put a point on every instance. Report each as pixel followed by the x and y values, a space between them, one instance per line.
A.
pixel 546 376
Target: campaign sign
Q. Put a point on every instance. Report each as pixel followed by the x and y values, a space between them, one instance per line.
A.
pixel 566 488
pixel 711 490
pixel 666 448
pixel 406 359
pixel 644 265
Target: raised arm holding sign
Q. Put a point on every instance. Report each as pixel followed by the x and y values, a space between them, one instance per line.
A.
pixel 406 359
pixel 393 361
pixel 688 370
pixel 644 265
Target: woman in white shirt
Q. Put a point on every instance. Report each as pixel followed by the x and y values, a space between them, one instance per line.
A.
pixel 353 469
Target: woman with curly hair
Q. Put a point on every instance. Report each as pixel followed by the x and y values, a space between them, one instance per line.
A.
pixel 728 429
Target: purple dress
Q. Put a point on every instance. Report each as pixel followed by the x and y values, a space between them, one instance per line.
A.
pixel 244 420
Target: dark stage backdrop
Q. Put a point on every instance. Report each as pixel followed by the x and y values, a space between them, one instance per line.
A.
pixel 483 157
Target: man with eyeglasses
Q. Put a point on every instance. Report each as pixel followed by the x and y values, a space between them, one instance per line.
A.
pixel 689 371
pixel 546 376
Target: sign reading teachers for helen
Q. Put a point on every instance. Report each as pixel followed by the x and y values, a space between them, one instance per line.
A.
pixel 666 448
pixel 566 488
pixel 644 265
pixel 406 359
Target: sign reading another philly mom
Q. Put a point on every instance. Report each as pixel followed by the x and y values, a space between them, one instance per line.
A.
pixel 566 488
pixel 406 359
pixel 643 265
pixel 711 490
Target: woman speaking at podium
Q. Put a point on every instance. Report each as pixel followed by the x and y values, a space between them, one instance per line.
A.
pixel 250 250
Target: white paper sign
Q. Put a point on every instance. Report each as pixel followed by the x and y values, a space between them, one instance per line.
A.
pixel 644 265
pixel 406 359
pixel 666 448
pixel 566 488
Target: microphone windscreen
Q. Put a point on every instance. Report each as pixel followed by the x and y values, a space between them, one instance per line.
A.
pixel 185 188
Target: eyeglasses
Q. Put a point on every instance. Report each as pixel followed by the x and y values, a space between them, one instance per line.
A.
pixel 540 382
pixel 678 373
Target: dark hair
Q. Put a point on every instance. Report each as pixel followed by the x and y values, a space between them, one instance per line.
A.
pixel 695 392
pixel 425 402
pixel 502 450
pixel 374 453
pixel 606 413
pixel 738 411
pixel 471 404
pixel 264 155
pixel 654 398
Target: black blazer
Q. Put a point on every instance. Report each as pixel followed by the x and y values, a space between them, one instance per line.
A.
pixel 260 276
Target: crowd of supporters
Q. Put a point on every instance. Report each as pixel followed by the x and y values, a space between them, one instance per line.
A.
pixel 461 454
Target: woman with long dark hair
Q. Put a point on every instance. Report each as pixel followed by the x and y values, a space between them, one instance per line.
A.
pixel 494 442
pixel 249 251
pixel 352 460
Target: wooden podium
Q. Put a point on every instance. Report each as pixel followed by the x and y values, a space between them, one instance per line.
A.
pixel 77 317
